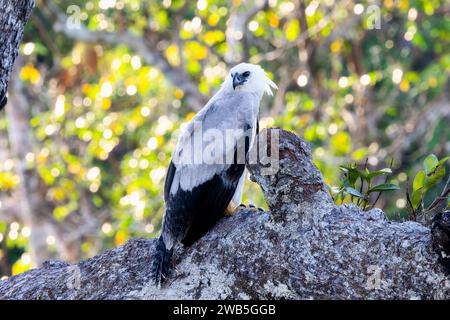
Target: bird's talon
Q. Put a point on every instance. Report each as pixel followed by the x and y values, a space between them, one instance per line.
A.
pixel 176 271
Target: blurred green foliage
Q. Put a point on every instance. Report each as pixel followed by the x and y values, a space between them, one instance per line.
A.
pixel 104 120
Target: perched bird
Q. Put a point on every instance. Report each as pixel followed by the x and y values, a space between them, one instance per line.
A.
pixel 205 180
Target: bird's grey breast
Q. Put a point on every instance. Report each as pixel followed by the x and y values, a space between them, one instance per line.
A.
pixel 233 110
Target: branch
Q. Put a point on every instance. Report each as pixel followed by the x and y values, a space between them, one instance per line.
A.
pixel 30 196
pixel 306 247
pixel 10 210
pixel 418 126
pixel 237 24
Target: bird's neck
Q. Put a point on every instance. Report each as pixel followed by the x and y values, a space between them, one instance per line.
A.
pixel 225 90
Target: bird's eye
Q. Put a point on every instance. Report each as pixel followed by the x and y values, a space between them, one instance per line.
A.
pixel 246 74
pixel 232 75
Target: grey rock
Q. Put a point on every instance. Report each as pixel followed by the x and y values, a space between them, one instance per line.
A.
pixel 304 248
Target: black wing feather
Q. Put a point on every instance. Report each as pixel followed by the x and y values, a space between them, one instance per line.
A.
pixel 210 202
pixel 169 179
pixel 190 214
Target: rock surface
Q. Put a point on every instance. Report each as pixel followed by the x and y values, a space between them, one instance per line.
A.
pixel 304 248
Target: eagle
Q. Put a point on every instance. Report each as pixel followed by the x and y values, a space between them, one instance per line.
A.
pixel 205 177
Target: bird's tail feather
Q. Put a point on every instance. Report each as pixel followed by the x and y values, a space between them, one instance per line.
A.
pixel 161 262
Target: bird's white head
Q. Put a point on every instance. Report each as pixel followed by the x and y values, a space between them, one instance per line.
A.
pixel 249 77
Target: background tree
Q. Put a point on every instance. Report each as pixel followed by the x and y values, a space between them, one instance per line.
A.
pixel 104 86
pixel 13 17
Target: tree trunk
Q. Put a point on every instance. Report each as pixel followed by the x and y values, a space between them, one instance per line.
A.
pixel 30 191
pixel 305 247
pixel 35 210
pixel 13 16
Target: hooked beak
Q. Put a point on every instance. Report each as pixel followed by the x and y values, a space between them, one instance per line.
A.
pixel 238 80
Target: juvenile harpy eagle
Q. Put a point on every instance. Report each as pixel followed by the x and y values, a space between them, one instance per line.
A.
pixel 202 184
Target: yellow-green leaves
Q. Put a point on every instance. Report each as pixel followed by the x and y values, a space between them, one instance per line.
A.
pixel 212 37
pixel 172 55
pixel 433 172
pixel 8 180
pixel 292 30
pixel 30 73
pixel 341 143
pixel 195 51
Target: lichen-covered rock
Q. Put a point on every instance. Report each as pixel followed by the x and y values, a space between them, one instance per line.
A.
pixel 305 248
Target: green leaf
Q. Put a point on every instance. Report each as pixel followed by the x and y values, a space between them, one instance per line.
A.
pixel 442 161
pixel 422 183
pixel 430 163
pixel 354 192
pixel 417 197
pixel 438 165
pixel 353 176
pixel 435 177
pixel 384 187
pixel 346 167
pixel 352 173
pixel 419 180
pixel 372 174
